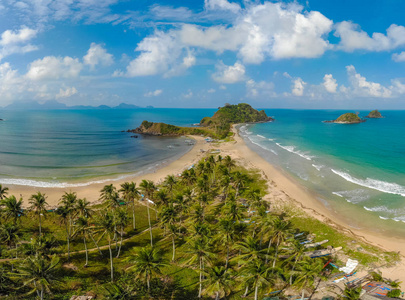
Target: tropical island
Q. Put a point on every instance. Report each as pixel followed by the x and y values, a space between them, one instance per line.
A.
pixel 347 118
pixel 375 114
pixel 217 126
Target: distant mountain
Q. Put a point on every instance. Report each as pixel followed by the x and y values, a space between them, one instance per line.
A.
pixel 52 105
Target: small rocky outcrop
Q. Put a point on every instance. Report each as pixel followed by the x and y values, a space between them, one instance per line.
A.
pixel 375 114
pixel 348 118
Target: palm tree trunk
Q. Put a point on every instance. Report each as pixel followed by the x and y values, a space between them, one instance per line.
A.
pixel 119 249
pixel 246 291
pixel 42 292
pixel 148 283
pixel 95 243
pixel 217 296
pixel 85 248
pixel 150 227
pixel 200 288
pixel 256 291
pixel 68 240
pixel 303 294
pixel 275 255
pixel 174 247
pixel 268 251
pixel 111 259
pixel 133 213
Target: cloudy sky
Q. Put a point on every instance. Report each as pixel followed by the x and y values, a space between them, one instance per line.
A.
pixel 196 53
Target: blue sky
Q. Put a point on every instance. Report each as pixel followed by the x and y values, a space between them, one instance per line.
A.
pixel 273 54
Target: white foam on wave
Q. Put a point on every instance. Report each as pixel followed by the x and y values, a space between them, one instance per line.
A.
pixel 383 218
pixel 318 167
pixel 271 140
pixel 337 194
pixel 292 150
pixel 263 137
pixel 382 186
pixel 353 196
pixel 261 146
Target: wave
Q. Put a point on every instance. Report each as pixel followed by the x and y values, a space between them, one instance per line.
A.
pixel 292 150
pixel 383 218
pixel 318 167
pixel 263 137
pixel 382 186
pixel 263 147
pixel 337 194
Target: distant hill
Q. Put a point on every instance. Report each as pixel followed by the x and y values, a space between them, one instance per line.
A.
pixel 52 105
pixel 348 118
pixel 375 114
pixel 217 126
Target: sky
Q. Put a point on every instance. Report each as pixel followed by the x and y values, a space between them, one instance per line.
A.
pixel 204 53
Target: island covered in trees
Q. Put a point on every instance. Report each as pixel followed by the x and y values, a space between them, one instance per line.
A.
pixel 348 118
pixel 375 114
pixel 217 126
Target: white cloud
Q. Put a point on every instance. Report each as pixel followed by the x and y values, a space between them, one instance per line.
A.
pixel 153 93
pixel 188 95
pixel 97 55
pixel 229 74
pixel 222 5
pixel 353 38
pixel 363 88
pixel 298 87
pixel 222 87
pixel 211 91
pixel 330 83
pixel 68 92
pixel 398 87
pixel 259 89
pixel 51 67
pixel 12 42
pixel 286 75
pixel 398 57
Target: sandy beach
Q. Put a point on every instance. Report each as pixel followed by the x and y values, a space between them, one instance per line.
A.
pixel 282 189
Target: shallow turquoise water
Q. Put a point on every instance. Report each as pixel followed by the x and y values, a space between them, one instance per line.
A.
pixel 63 148
pixel 356 170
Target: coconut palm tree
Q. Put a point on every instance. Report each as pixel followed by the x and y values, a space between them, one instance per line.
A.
pixel 281 231
pixel 82 228
pixel 3 192
pixel 64 213
pixel 131 194
pixel 228 162
pixel 68 202
pixel 146 263
pixel 148 187
pixel 226 233
pixel 106 192
pixel 38 273
pixel 106 225
pixel 83 208
pixel 307 271
pixel 257 274
pixel 250 249
pixel 9 234
pixel 12 208
pixel 200 251
pixel 121 220
pixel 219 282
pixel 170 181
pixel 38 206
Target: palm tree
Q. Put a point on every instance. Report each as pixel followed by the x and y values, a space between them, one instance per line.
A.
pixel 82 225
pixel 38 206
pixel 228 162
pixel 12 208
pixel 352 293
pixel 107 191
pixel 68 201
pixel 106 224
pixel 307 271
pixel 9 234
pixel 200 253
pixel 121 221
pixel 148 187
pixel 3 192
pixel 170 181
pixel 130 193
pixel 250 249
pixel 281 231
pixel 226 232
pixel 64 214
pixel 147 262
pixel 83 208
pixel 219 282
pixel 38 273
pixel 257 274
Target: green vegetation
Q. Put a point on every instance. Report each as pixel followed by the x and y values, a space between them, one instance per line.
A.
pixel 349 118
pixel 375 114
pixel 205 234
pixel 217 126
pixel 395 293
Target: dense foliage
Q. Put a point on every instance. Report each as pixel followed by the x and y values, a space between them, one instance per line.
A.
pixel 170 130
pixel 375 114
pixel 349 118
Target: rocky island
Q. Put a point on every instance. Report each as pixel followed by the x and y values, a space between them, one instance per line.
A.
pixel 375 114
pixel 217 126
pixel 348 118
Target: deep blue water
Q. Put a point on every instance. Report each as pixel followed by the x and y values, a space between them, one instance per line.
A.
pixel 357 170
pixel 62 147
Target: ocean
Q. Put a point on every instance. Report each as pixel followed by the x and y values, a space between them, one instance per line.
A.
pixel 355 170
pixel 67 148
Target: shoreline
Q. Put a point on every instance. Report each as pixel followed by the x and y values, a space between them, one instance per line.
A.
pixel 283 189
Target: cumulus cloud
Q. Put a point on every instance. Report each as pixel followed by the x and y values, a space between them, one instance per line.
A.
pixel 51 67
pixel 188 95
pixel 153 93
pixel 363 88
pixel 229 74
pixel 97 55
pixel 222 5
pixel 398 57
pixel 68 92
pixel 298 87
pixel 211 91
pixel 330 83
pixel 259 89
pixel 16 41
pixel 353 38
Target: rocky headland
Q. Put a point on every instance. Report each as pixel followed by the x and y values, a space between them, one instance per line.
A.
pixel 348 118
pixel 375 114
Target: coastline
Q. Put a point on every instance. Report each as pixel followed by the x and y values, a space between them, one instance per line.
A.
pixel 283 189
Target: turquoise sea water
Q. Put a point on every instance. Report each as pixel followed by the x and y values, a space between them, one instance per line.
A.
pixel 65 148
pixel 356 170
